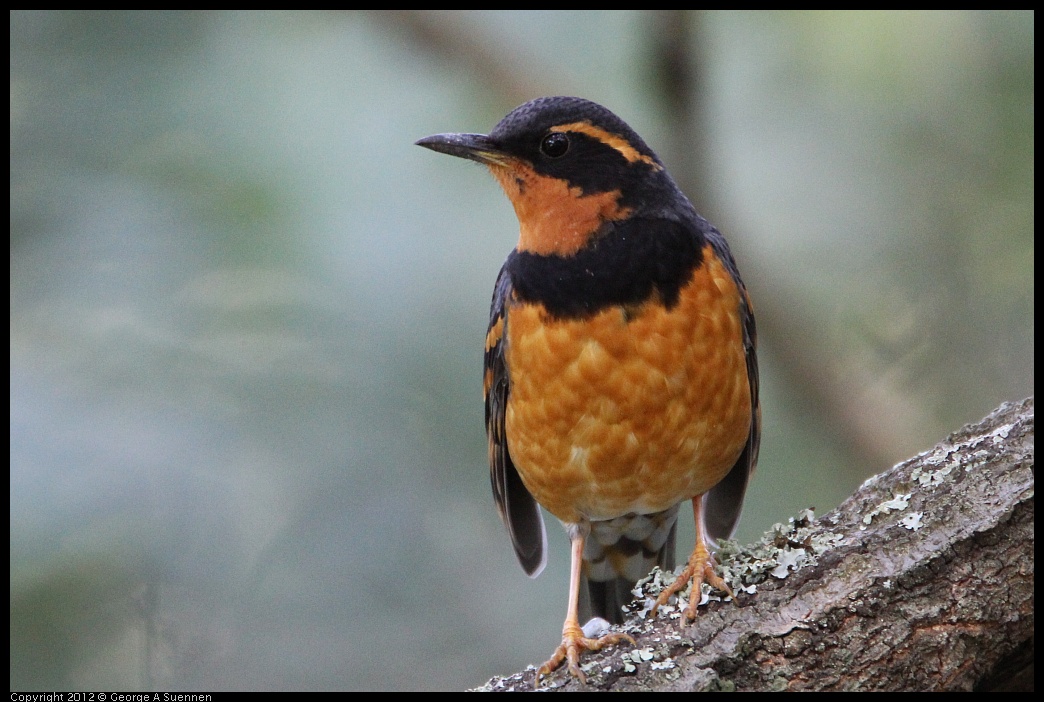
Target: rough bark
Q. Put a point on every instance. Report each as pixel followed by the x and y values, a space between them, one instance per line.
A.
pixel 921 580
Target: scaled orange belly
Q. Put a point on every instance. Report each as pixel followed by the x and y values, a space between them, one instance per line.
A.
pixel 634 409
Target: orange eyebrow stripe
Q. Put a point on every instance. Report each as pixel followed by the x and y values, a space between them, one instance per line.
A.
pixel 614 141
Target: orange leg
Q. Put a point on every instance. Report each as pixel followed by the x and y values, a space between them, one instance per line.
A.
pixel 699 569
pixel 573 639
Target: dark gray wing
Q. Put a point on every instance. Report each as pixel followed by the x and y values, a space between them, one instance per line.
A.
pixel 723 504
pixel 518 509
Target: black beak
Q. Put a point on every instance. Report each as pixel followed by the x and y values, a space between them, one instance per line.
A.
pixel 476 147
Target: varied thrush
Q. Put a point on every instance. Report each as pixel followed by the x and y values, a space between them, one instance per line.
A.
pixel 621 375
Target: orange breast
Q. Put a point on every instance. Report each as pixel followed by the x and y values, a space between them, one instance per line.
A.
pixel 632 410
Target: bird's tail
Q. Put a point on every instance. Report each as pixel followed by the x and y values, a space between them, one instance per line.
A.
pixel 617 554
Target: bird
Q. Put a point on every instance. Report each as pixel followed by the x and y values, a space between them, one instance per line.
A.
pixel 620 363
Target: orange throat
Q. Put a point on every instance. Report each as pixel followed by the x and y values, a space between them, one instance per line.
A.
pixel 553 217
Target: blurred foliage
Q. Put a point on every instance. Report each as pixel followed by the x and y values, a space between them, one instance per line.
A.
pixel 246 312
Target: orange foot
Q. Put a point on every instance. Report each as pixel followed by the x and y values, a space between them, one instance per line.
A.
pixel 699 570
pixel 573 642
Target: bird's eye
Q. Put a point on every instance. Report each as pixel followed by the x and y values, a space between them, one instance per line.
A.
pixel 555 145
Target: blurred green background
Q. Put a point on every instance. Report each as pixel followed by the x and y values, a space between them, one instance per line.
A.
pixel 247 313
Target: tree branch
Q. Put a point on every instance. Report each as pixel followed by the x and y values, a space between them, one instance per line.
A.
pixel 921 580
